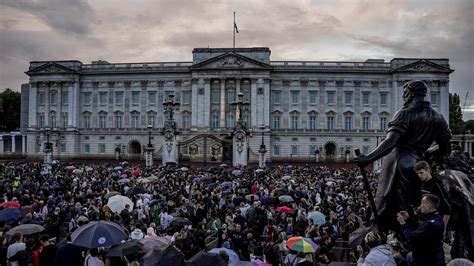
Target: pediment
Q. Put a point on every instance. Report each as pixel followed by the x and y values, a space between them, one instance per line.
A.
pixel 51 68
pixel 424 66
pixel 231 60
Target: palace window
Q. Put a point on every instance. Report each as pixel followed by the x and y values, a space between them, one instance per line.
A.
pixel 53 120
pixel 65 98
pixel 366 123
pixel 135 97
pixel 295 97
pixel 53 98
pixel 215 121
pixel 87 98
pixel 87 148
pixel 276 150
pixel 118 121
pixel 294 122
pixel 312 97
pixel 276 121
pixel 102 148
pixel 348 98
pixel 185 121
pixel 41 119
pixel 41 99
pixel 186 98
pixel 348 122
pixel 151 97
pixel 330 99
pixel 434 98
pixel 215 97
pixel 103 98
pixel 383 99
pixel 230 96
pixel 276 95
pixel 87 121
pixel 65 120
pixel 119 97
pixel 230 121
pixel 312 122
pixel 312 150
pixel 103 121
pixel 383 123
pixel 330 122
pixel 365 98
pixel 151 120
pixel 294 150
pixel 135 121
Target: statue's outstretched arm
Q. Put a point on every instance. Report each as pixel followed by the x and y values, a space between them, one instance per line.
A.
pixel 385 147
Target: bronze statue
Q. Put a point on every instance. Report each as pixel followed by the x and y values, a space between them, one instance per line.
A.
pixel 412 130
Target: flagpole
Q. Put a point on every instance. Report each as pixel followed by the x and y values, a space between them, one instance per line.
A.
pixel 233 27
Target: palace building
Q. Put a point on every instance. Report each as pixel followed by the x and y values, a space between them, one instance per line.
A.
pixel 301 110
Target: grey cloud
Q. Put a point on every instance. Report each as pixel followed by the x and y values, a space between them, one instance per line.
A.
pixel 69 16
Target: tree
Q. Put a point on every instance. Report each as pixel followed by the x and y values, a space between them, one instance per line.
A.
pixel 469 126
pixel 10 108
pixel 455 114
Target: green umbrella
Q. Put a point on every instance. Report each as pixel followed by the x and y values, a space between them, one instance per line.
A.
pixel 152 177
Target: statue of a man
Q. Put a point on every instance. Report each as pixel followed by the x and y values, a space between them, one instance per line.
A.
pixel 411 132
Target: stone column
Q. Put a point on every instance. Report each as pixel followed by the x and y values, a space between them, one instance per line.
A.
pixel 47 105
pixel 33 93
pixel 23 145
pixel 266 102
pixel 223 104
pixel 207 102
pixel 76 100
pixel 255 107
pixel 71 105
pixel 13 144
pixel 194 103
pixel 444 99
pixel 1 145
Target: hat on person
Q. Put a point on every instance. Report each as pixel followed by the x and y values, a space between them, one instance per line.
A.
pixel 137 234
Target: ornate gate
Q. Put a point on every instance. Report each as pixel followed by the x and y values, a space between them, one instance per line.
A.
pixel 206 148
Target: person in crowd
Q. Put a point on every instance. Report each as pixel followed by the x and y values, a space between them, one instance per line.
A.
pixel 379 253
pixel 47 255
pixel 93 258
pixel 427 238
pixel 14 248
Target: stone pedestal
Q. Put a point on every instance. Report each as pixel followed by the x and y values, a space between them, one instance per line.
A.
pixel 47 154
pixel 240 144
pixel 169 147
pixel 1 145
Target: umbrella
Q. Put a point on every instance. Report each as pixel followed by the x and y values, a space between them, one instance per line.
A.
pixel 259 170
pixel 10 215
pixel 197 180
pixel 285 209
pixel 330 183
pixel 285 198
pixel 184 169
pixel 111 194
pixel 150 242
pixel 136 172
pixel 135 191
pixel 251 197
pixel 143 181
pixel 88 169
pixel 123 176
pixel 123 181
pixel 233 257
pixel 118 168
pixel 236 172
pixel 356 237
pixel 223 165
pixel 170 256
pixel 117 203
pixel 124 163
pixel 180 222
pixel 10 204
pixel 98 234
pixel 70 167
pixel 280 191
pixel 301 244
pixel 206 259
pixel 226 184
pixel 26 229
pixel 317 217
pixel 76 171
pixel 125 249
pixel 286 177
pixel 152 177
pixel 261 263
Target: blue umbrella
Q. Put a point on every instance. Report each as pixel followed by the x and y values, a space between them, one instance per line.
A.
pixel 233 257
pixel 98 234
pixel 10 215
pixel 197 180
pixel 317 217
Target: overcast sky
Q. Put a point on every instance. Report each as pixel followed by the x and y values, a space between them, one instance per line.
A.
pixel 168 30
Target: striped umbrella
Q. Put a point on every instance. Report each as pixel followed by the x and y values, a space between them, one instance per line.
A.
pixel 301 244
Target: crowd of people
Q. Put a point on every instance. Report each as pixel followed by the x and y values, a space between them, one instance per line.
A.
pixel 250 211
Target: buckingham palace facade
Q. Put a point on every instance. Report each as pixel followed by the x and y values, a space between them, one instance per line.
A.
pixel 301 110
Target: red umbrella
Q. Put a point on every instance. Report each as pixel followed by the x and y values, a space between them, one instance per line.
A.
pixel 10 204
pixel 285 209
pixel 136 172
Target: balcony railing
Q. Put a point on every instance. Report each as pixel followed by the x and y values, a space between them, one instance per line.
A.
pixel 329 64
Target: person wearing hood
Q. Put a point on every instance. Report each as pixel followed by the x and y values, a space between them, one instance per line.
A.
pixel 379 254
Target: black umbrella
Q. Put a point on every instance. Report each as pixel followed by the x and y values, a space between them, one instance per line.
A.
pixel 206 259
pixel 125 249
pixel 163 257
pixel 357 237
pixel 10 215
pixel 98 234
pixel 26 229
pixel 135 191
pixel 180 222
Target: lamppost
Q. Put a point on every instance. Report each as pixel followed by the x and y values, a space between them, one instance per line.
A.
pixel 149 148
pixel 240 134
pixel 170 130
pixel 262 149
pixel 48 148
